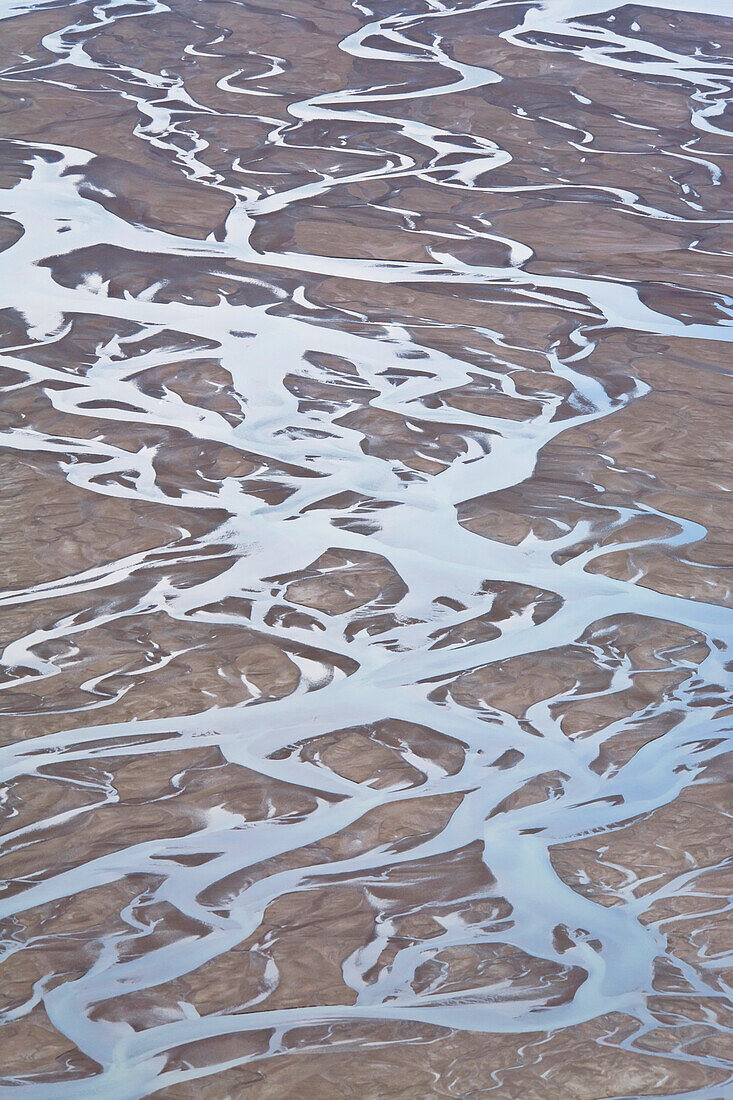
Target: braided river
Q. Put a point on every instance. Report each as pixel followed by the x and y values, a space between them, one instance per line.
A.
pixel 366 685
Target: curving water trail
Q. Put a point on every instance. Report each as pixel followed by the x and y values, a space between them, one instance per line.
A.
pixel 365 671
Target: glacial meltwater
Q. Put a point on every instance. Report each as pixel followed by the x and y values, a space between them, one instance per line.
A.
pixel 366 492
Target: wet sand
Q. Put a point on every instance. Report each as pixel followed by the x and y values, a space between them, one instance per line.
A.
pixel 365 449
